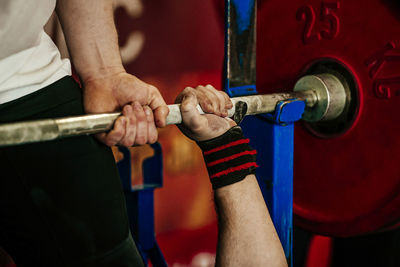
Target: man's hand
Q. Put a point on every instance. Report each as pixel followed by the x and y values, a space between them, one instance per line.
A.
pixel 93 44
pixel 137 101
pixel 246 235
pixel 203 127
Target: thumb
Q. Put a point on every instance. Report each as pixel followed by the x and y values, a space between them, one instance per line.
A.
pixel 159 107
pixel 191 116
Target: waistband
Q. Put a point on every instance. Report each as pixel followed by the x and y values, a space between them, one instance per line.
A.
pixel 51 96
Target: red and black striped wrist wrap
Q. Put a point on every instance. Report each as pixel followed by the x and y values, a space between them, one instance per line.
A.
pixel 229 158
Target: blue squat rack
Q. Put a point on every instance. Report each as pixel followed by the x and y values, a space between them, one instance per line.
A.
pixel 271 135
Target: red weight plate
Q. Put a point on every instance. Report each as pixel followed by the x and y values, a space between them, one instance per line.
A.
pixel 346 183
pixel 349 183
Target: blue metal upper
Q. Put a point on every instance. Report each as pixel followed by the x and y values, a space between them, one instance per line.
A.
pixel 140 203
pixel 272 134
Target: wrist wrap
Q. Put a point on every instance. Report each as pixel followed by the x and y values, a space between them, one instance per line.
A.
pixel 229 158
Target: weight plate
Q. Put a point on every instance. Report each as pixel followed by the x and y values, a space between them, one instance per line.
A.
pixel 346 172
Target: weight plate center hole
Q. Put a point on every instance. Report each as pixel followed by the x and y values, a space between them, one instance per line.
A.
pixel 345 121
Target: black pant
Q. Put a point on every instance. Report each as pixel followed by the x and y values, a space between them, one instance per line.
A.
pixel 61 202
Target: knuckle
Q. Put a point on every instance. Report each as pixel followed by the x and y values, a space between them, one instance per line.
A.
pixel 187 89
pixel 148 112
pixel 132 121
pixel 211 95
pixel 222 99
pixel 224 94
pixel 210 87
pixel 140 117
pixel 206 106
pixel 207 101
pixel 209 109
pixel 186 106
pixel 161 112
pixel 221 95
pixel 154 93
pixel 153 89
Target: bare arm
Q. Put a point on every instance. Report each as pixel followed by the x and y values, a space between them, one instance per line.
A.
pixel 246 236
pixel 91 36
pixel 93 44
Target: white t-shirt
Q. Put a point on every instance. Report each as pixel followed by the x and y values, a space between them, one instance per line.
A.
pixel 29 60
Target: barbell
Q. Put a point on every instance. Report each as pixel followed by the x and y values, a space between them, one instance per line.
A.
pixel 324 95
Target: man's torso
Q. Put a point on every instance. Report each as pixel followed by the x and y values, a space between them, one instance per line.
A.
pixel 29 60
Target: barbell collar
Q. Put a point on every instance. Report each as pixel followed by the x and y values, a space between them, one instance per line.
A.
pixel 330 93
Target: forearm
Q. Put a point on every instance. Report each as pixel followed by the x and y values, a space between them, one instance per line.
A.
pixel 246 235
pixel 91 37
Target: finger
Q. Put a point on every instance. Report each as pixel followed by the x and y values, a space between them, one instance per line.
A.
pixel 231 122
pixel 202 99
pixel 141 124
pixel 191 117
pixel 130 129
pixel 117 133
pixel 185 91
pixel 228 101
pixel 221 100
pixel 151 130
pixel 160 116
pixel 158 105
pixel 208 100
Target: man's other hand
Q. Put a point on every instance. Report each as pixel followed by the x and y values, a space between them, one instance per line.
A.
pixel 213 102
pixel 142 106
